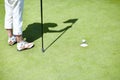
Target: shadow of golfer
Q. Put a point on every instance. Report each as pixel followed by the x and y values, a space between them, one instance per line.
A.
pixel 33 31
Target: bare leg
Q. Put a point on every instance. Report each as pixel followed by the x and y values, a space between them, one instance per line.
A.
pixel 11 37
pixel 9 32
pixel 19 38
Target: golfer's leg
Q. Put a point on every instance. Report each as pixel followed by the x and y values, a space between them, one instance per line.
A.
pixel 9 32
pixel 17 26
pixel 8 19
pixel 17 19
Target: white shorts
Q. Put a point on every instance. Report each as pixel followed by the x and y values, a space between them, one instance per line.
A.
pixel 13 16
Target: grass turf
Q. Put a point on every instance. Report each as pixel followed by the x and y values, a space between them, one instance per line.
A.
pixel 66 23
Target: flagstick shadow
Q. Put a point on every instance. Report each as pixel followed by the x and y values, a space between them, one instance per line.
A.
pixel 63 31
pixel 57 38
pixel 33 31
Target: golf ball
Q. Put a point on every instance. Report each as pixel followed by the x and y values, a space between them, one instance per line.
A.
pixel 83 40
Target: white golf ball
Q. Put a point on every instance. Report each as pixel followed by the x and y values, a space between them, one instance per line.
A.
pixel 83 40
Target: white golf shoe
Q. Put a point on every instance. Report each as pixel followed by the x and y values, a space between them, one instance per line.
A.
pixel 24 45
pixel 12 40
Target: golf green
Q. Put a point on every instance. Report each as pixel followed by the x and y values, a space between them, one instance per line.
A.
pixel 66 24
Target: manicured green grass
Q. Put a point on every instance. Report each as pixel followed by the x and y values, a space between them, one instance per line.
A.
pixel 97 21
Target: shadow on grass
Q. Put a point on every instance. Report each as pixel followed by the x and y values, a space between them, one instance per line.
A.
pixel 33 31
